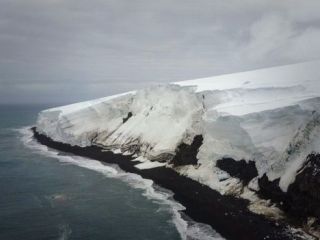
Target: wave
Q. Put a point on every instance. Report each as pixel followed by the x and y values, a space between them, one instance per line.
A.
pixel 65 231
pixel 188 229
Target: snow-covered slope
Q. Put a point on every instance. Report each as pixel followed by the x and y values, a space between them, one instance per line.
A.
pixel 269 116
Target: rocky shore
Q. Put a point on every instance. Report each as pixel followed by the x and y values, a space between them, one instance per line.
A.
pixel 226 214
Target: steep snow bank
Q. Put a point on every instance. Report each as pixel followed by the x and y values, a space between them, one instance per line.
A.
pixel 160 118
pixel 268 116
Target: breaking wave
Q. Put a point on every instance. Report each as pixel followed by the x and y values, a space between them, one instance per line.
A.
pixel 188 229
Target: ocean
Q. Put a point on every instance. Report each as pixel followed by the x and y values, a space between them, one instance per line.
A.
pixel 46 194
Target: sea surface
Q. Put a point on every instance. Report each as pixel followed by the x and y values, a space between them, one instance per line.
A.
pixel 47 194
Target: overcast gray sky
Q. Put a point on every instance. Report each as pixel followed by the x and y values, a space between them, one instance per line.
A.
pixel 69 50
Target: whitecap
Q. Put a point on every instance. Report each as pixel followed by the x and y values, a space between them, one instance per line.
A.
pixel 65 231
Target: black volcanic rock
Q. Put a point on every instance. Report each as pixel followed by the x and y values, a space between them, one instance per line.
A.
pixel 271 190
pixel 187 154
pixel 302 199
pixel 304 193
pixel 127 117
pixel 243 170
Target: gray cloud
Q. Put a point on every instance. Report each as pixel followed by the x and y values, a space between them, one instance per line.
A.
pixel 71 50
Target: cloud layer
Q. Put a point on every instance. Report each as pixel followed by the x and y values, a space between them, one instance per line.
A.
pixel 70 50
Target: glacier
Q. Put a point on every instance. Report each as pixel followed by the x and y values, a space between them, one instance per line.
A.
pixel 268 116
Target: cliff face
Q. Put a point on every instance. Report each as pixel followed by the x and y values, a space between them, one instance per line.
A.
pixel 265 122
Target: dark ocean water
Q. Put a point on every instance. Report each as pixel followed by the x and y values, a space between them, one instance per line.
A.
pixel 43 197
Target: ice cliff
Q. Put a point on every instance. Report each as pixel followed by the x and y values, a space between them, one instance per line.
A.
pixel 270 117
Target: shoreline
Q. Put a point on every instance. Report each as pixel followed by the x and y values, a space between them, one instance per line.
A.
pixel 228 215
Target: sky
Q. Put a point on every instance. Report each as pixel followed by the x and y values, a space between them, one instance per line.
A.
pixel 63 51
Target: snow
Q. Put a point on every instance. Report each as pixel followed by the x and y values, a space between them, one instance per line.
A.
pixel 160 118
pixel 149 164
pixel 270 116
pixel 263 89
pixel 77 124
pixel 101 121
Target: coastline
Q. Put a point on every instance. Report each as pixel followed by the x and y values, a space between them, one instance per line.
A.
pixel 226 214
